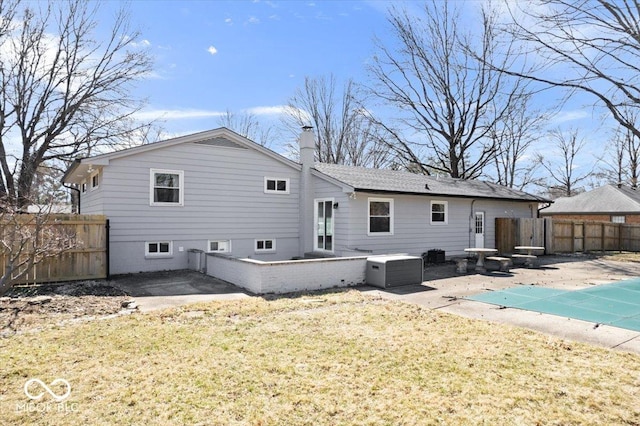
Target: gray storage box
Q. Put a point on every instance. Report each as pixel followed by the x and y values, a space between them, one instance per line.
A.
pixel 393 271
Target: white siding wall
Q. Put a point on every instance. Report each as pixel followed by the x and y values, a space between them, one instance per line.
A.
pixel 413 233
pixel 91 200
pixel 224 199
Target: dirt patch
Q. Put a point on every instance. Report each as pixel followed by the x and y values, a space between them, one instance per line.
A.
pixel 37 307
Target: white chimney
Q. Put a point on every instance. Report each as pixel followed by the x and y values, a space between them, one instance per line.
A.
pixel 307 146
pixel 307 156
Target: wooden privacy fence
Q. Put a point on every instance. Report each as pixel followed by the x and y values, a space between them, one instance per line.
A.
pixel 89 260
pixel 583 236
pixel 511 232
pixel 566 236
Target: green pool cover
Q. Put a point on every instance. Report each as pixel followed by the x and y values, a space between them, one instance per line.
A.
pixel 616 304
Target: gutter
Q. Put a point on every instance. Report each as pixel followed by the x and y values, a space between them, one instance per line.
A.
pixel 71 169
pixel 433 194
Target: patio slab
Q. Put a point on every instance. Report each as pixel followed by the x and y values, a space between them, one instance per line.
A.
pixel 160 290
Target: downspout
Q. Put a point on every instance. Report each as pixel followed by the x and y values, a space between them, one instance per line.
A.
pixel 545 207
pixel 78 191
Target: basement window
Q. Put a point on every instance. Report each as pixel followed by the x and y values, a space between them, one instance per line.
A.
pixel 268 246
pixel 219 246
pixel 158 249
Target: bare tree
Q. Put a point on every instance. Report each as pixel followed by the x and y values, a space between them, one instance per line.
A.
pixel 590 46
pixel 345 133
pixel 561 165
pixel 514 135
pixel 248 125
pixel 61 91
pixel 613 159
pixel 449 99
pixel 28 239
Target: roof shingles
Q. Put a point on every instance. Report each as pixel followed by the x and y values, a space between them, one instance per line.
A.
pixel 606 199
pixel 383 180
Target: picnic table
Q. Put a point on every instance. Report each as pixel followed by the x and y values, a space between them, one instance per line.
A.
pixel 481 252
pixel 529 257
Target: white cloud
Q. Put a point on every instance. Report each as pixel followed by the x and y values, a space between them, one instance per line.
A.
pixel 228 21
pixel 141 43
pixel 268 110
pixel 176 114
pixel 277 110
pixel 570 115
pixel 212 50
pixel 253 20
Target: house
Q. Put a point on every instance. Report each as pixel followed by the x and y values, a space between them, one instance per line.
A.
pixel 609 203
pixel 219 192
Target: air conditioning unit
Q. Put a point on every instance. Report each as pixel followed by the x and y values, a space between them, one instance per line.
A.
pixel 393 270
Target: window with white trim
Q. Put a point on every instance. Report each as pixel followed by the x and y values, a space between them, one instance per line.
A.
pixel 83 186
pixel 219 246
pixel 95 180
pixel 262 246
pixel 276 185
pixel 158 248
pixel 380 216
pixel 618 219
pixel 167 187
pixel 439 212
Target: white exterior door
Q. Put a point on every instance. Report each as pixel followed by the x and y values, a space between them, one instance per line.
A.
pixel 323 232
pixel 479 229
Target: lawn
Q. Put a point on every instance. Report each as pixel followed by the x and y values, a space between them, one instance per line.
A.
pixel 323 359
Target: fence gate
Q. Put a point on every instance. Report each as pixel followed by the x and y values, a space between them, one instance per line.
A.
pixel 511 232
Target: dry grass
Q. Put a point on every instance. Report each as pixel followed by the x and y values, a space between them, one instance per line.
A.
pixel 329 359
pixel 625 256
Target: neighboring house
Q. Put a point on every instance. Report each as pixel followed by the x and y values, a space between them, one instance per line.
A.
pixel 220 192
pixel 609 203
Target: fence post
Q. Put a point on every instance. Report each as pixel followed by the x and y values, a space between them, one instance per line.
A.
pixel 620 237
pixel 107 227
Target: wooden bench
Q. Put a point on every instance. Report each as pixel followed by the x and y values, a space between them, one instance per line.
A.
pixel 529 259
pixel 461 264
pixel 504 262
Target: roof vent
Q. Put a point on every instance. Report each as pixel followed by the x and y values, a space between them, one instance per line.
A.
pixel 426 186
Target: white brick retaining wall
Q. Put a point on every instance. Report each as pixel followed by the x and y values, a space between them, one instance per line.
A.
pixel 288 275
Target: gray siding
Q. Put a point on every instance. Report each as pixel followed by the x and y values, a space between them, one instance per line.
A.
pixel 413 233
pixel 224 199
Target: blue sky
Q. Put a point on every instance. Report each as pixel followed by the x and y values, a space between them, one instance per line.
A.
pixel 247 55
pixel 250 56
